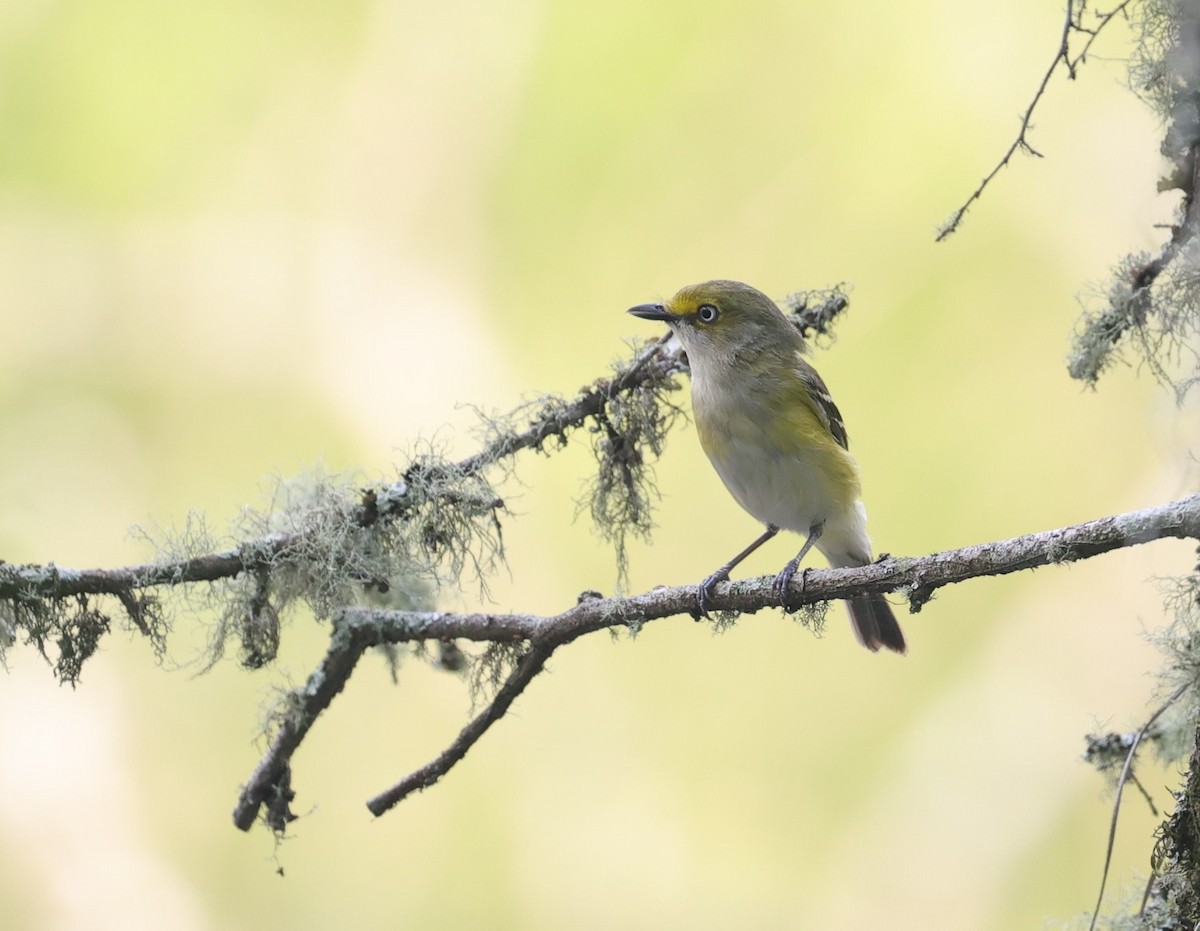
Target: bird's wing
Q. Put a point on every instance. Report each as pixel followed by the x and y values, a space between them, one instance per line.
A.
pixel 817 397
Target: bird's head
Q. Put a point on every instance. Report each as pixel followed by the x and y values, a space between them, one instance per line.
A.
pixel 721 319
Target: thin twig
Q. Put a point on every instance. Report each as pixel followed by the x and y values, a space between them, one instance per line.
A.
pixel 1093 34
pixel 1137 784
pixel 1021 142
pixel 653 362
pixel 533 662
pixel 1126 772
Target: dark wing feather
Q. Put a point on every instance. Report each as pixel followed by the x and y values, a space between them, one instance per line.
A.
pixel 823 403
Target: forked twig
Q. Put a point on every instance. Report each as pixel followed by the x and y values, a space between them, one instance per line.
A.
pixel 1062 57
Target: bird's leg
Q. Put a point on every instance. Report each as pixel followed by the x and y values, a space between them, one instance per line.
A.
pixel 722 574
pixel 783 581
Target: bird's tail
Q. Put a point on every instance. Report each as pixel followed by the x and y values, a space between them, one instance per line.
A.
pixel 846 545
pixel 874 623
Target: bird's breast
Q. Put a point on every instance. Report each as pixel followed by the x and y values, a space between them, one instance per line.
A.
pixel 778 460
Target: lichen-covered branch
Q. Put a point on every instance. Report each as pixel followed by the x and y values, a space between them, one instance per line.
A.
pixel 552 419
pixel 1173 899
pixel 916 577
pixel 1153 299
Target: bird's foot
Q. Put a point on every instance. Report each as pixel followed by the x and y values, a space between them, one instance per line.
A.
pixel 705 591
pixel 781 587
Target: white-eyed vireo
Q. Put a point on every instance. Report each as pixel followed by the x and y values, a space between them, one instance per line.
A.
pixel 774 435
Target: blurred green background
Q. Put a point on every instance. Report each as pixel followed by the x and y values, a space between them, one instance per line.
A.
pixel 239 239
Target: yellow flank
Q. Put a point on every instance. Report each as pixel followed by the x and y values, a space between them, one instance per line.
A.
pixel 796 425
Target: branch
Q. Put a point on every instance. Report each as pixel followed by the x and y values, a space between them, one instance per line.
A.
pixel 1062 56
pixel 270 782
pixel 918 578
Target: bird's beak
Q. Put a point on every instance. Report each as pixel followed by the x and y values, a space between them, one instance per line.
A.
pixel 653 312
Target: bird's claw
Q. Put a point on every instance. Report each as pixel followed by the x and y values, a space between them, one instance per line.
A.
pixel 704 593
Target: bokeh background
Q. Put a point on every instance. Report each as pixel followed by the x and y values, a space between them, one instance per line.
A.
pixel 238 240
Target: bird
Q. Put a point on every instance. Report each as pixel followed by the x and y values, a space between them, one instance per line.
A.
pixel 774 435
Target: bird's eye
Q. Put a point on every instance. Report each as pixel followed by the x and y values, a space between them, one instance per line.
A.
pixel 707 313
